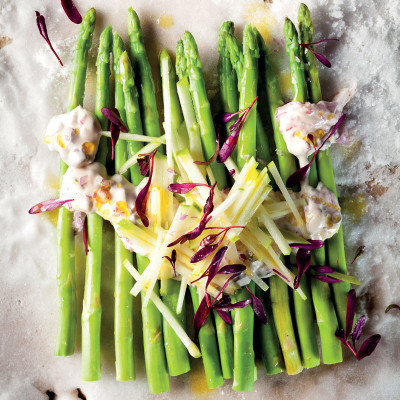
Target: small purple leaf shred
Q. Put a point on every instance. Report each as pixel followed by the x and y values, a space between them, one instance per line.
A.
pixel 141 199
pixel 275 271
pixel 326 279
pixel 114 117
pixel 358 328
pixel 312 245
pixel 201 315
pixel 48 205
pixel 359 251
pixel 351 309
pixel 213 157
pixel 114 138
pixel 85 236
pixel 41 24
pixel 303 260
pixel 225 316
pixel 258 307
pixel 300 175
pixel 182 188
pixel 323 269
pixel 368 346
pixel 71 11
pixel 172 260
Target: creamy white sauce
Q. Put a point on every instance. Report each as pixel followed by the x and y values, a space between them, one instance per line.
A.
pixel 75 135
pixel 322 212
pixel 94 191
pixel 297 121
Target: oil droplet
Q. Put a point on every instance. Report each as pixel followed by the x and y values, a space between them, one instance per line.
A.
pixel 166 21
pixel 259 15
pixel 354 206
pixel 197 380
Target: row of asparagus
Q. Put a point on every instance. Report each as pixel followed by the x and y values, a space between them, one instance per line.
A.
pixel 289 340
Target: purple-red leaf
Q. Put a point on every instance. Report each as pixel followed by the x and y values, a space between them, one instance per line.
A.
pixel 299 175
pixel 228 306
pixel 41 24
pixel 196 232
pixel 114 138
pixel 141 199
pixel 391 307
pixel 275 271
pixel 351 309
pixel 322 59
pixel 359 251
pixel 232 269
pixel 258 307
pixel 71 11
pixel 85 236
pixel 48 205
pixel 225 316
pixel 114 117
pixel 213 157
pixel 326 279
pixel 215 263
pixel 303 260
pixel 203 253
pixel 323 269
pixel 312 245
pixel 183 188
pixel 172 260
pixel 358 328
pixel 201 315
pixel 368 346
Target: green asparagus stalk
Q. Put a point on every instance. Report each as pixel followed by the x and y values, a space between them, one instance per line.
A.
pixel 324 309
pixel 270 349
pixel 235 51
pixel 176 353
pixel 185 99
pixel 123 324
pixel 287 165
pixel 208 347
pixel 244 371
pixel 66 286
pixel 91 313
pixel 141 65
pixel 303 308
pixel 202 106
pixel 335 245
pixel 156 368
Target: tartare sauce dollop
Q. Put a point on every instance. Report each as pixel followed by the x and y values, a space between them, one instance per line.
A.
pixel 75 135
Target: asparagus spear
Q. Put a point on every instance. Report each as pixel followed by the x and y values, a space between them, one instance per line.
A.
pixel 303 308
pixel 287 165
pixel 208 347
pixel 123 324
pixel 202 106
pixel 185 99
pixel 156 368
pixel 66 286
pixel 324 310
pixel 176 353
pixel 335 245
pixel 270 350
pixel 151 123
pixel 235 51
pixel 91 313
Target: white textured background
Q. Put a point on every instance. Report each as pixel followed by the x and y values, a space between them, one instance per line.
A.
pixel 33 87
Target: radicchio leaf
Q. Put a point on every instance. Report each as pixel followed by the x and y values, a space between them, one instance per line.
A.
pixel 258 307
pixel 359 251
pixel 71 11
pixel 213 157
pixel 114 138
pixel 358 328
pixel 368 346
pixel 323 269
pixel 351 309
pixel 172 260
pixel 182 188
pixel 231 142
pixel 275 271
pixel 322 59
pixel 196 232
pixel 201 315
pixel 141 199
pixel 114 117
pixel 225 316
pixel 203 253
pixel 303 260
pixel 312 245
pixel 299 175
pixel 391 306
pixel 326 279
pixel 85 236
pixel 48 205
pixel 41 24
pixel 225 304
